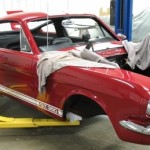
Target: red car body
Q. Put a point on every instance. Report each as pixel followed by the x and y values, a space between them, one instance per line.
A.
pixel 121 94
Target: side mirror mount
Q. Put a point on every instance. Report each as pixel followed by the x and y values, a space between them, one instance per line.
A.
pixel 86 38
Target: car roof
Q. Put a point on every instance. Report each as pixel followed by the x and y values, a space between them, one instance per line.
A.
pixel 28 16
pixel 24 16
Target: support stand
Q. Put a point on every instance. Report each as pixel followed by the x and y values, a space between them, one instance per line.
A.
pixel 8 122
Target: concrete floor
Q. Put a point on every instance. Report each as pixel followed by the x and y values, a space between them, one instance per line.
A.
pixel 93 134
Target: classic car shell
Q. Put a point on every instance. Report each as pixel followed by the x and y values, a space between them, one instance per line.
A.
pixel 122 95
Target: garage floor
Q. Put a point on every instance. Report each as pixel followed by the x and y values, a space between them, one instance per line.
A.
pixel 93 134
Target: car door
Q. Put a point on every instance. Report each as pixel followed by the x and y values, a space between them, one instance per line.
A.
pixel 16 70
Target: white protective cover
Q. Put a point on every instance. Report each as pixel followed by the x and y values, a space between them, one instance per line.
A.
pixel 52 61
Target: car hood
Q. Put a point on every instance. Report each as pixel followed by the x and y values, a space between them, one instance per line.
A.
pixel 94 75
pixel 98 79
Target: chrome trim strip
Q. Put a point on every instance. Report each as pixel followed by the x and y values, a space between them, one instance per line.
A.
pixel 148 108
pixel 33 101
pixel 135 127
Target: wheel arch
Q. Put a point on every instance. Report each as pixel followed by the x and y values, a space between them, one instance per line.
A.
pixel 83 106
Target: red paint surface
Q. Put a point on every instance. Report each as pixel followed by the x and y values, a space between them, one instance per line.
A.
pixel 122 94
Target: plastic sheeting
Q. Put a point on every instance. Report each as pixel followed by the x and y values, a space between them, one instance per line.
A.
pixel 141 25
